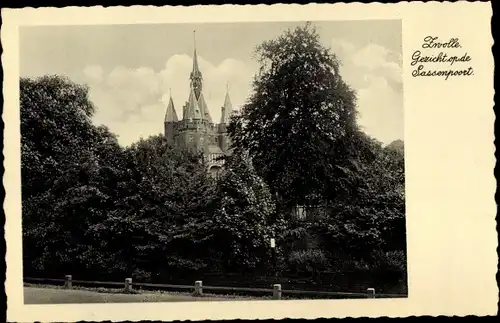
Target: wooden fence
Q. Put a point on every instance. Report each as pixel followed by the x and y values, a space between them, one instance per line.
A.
pixel 197 289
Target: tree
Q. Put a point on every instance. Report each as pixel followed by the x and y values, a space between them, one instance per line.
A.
pixel 244 221
pixel 300 112
pixel 61 155
pixel 299 128
pixel 161 212
pixel 371 217
pixel 55 128
pixel 91 207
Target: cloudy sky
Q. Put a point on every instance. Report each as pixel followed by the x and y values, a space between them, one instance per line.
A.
pixel 131 69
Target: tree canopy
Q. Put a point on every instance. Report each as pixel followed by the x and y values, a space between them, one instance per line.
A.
pixel 299 113
pixel 299 128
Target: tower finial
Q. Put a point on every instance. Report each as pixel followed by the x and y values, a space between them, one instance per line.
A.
pixel 170 90
pixel 194 44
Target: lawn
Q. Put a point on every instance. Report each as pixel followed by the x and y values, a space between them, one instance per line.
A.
pixel 48 295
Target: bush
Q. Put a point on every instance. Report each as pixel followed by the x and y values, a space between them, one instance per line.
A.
pixel 307 260
pixel 140 275
pixel 389 261
pixel 378 260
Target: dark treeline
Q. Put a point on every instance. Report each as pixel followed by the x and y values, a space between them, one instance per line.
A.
pixel 149 211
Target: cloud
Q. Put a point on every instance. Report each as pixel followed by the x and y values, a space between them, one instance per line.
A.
pixel 132 102
pixel 371 56
pixel 376 74
pixel 381 110
pixel 93 73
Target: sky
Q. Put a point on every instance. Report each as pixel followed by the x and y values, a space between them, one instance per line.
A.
pixel 133 69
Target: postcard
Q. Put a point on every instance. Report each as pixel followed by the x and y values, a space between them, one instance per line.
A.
pixel 249 162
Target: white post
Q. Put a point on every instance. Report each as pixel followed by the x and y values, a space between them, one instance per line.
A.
pixel 277 291
pixel 68 284
pixel 273 248
pixel 128 285
pixel 198 288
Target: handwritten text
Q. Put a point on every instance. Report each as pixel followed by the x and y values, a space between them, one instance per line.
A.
pixel 455 64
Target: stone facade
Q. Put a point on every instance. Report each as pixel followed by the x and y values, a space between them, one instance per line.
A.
pixel 196 130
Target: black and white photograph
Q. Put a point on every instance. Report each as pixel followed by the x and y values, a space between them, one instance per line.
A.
pixel 218 161
pixel 190 163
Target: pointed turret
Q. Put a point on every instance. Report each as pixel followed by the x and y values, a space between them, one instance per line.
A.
pixel 204 109
pixel 171 115
pixel 227 108
pixel 170 121
pixel 196 77
pixel 192 108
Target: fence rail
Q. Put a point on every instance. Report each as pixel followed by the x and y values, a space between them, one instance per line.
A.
pixel 198 288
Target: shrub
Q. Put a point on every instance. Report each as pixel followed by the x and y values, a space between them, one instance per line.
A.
pixel 388 261
pixel 307 260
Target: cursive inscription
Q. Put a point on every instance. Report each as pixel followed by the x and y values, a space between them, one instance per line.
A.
pixel 441 58
pixel 433 42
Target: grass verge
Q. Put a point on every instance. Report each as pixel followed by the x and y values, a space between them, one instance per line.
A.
pixel 106 290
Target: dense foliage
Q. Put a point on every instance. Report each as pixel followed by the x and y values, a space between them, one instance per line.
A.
pixel 243 223
pixel 299 127
pixel 95 209
pixel 299 116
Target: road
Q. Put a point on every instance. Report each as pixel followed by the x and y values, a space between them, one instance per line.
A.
pixel 34 295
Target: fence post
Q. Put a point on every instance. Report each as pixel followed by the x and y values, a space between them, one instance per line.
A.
pixel 198 288
pixel 68 284
pixel 277 291
pixel 128 285
pixel 370 292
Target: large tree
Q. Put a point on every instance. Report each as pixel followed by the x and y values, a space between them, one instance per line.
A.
pixel 55 129
pixel 62 153
pixel 299 127
pixel 300 116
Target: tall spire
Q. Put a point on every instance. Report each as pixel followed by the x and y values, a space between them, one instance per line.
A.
pixel 196 69
pixel 171 115
pixel 196 77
